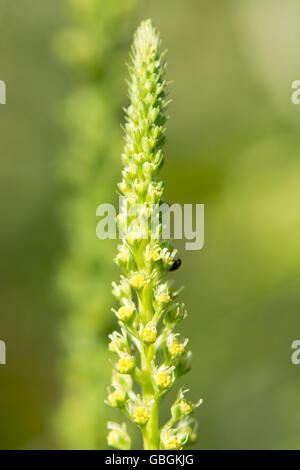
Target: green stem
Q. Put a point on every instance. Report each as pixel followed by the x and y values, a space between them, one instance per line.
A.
pixel 151 434
pixel 151 430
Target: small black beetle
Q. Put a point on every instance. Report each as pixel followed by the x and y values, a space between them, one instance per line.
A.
pixel 175 265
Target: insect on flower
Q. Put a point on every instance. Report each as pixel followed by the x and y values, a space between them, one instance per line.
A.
pixel 176 265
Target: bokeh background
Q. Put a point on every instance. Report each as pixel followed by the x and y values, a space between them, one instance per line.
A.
pixel 233 144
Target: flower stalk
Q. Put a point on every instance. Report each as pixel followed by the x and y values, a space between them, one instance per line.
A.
pixel 147 351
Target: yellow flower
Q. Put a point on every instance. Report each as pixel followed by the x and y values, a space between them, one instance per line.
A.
pixel 122 186
pixel 125 313
pixel 149 334
pixel 131 169
pixel 138 280
pixel 126 364
pixel 163 297
pixel 123 256
pixel 116 342
pixel 141 415
pixel 118 436
pixel 114 345
pixel 146 211
pixel 152 254
pixel 163 380
pixel 154 194
pixel 138 157
pixel 175 348
pixel 113 438
pixel 172 443
pixel 131 198
pixel 168 258
pixel 185 407
pixel 116 398
pixel 139 187
pixel 133 236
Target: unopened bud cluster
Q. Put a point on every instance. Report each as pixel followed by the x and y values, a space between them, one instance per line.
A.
pixel 148 309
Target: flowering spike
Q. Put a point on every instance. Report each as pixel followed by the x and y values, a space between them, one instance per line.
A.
pixel 145 260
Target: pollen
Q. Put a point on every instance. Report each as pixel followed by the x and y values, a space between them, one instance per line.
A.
pixel 141 415
pixel 163 380
pixel 148 334
pixel 176 348
pixel 116 398
pixel 138 280
pixel 126 365
pixel 172 443
pixel 185 407
pixel 125 313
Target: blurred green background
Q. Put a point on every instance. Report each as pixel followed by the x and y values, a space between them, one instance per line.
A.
pixel 233 144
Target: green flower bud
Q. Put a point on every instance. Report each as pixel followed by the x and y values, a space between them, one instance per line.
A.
pixel 118 436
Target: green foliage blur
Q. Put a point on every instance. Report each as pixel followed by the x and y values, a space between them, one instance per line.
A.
pixel 90 45
pixel 233 144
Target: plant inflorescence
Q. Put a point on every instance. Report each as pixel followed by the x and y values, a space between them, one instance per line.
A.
pixel 149 355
